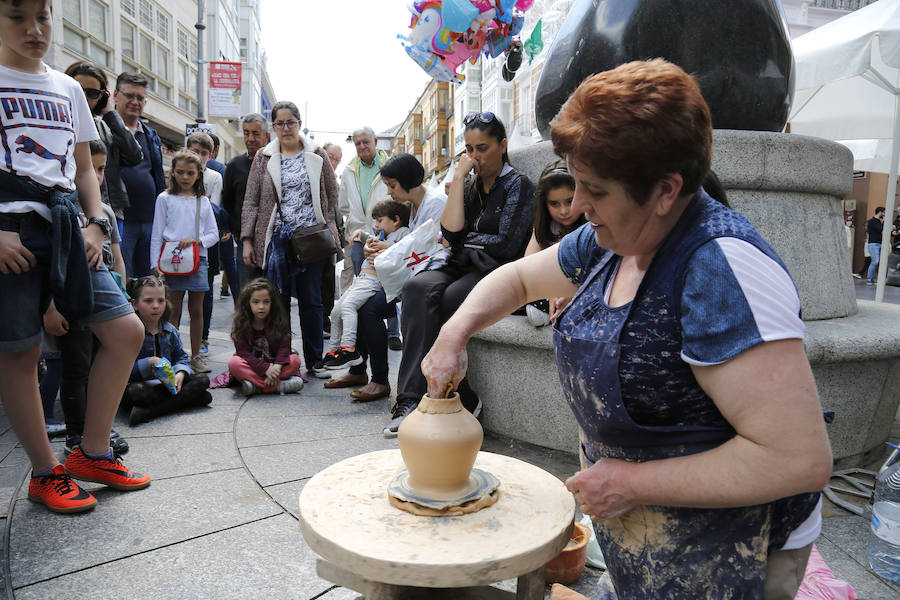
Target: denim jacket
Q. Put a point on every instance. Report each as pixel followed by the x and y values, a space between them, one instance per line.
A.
pixel 165 344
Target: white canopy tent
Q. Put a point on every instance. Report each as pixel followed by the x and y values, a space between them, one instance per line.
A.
pixel 847 89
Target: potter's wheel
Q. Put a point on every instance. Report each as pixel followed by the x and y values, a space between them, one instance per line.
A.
pixel 480 492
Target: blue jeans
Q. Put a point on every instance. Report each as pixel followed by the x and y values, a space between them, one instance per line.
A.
pixel 875 252
pixel 226 261
pixel 357 256
pixel 307 287
pixel 136 248
pixel 25 296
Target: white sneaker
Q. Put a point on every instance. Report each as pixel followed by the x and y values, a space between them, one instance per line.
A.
pixel 198 364
pixel 248 388
pixel 290 386
pixel 536 316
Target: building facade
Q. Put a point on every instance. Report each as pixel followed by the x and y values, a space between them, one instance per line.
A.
pixel 159 39
pixel 427 131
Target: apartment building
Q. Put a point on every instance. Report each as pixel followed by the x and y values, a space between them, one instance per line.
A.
pixel 159 39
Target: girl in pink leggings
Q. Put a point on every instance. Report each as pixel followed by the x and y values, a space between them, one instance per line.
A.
pixel 262 359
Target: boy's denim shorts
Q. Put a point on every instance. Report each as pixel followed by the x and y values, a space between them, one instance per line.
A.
pixel 24 298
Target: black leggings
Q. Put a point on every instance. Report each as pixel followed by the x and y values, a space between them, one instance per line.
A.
pixel 77 349
pixel 157 399
pixel 429 299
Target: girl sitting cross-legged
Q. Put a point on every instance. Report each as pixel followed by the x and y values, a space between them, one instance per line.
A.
pixel 263 360
pixel 161 379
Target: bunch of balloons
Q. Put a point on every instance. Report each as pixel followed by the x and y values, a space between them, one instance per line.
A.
pixel 446 33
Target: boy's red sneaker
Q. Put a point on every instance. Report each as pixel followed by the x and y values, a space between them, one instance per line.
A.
pixel 108 471
pixel 59 493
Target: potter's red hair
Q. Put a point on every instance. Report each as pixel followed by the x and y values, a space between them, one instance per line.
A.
pixel 635 124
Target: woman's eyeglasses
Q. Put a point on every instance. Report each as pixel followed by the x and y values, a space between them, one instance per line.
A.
pixel 286 124
pixel 92 93
pixel 483 117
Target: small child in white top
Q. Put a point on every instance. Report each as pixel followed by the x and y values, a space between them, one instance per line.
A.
pixel 176 220
pixel 391 218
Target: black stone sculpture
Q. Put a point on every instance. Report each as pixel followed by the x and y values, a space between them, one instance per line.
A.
pixel 739 51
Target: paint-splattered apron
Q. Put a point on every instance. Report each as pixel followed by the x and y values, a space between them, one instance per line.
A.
pixel 657 551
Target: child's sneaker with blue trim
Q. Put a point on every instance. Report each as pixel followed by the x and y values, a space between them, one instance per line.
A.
pixel 166 374
pixel 59 493
pixel 107 470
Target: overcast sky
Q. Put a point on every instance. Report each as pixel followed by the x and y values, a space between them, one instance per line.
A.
pixel 343 59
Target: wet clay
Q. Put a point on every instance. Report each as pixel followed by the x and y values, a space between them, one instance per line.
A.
pixel 450 511
pixel 439 442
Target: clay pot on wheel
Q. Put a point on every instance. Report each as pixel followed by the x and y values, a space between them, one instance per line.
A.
pixel 439 442
pixel 566 567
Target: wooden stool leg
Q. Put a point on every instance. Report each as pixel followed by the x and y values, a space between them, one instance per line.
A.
pixel 530 586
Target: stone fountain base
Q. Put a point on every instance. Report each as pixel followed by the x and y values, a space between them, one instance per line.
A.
pixel 790 187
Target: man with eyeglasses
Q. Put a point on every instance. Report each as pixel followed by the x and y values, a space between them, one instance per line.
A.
pixel 256 135
pixel 145 180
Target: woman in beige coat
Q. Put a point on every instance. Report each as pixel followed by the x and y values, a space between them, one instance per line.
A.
pixel 291 185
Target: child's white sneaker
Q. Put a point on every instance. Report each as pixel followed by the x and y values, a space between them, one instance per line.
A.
pixel 290 386
pixel 248 388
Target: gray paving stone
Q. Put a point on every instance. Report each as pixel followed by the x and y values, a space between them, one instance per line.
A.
pixel 10 478
pixel 288 462
pixel 277 429
pixel 211 419
pixel 5 449
pixel 287 495
pixel 264 559
pixel 335 402
pixel 168 512
pixel 15 458
pixel 340 593
pixel 179 455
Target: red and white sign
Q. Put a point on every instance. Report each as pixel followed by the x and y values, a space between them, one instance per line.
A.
pixel 224 89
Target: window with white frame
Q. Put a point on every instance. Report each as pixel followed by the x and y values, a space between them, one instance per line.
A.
pixel 146 14
pixel 84 29
pixel 184 48
pixel 127 38
pixel 147 45
pixel 162 25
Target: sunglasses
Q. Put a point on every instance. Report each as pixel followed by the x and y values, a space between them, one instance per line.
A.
pixel 289 124
pixel 483 117
pixel 92 93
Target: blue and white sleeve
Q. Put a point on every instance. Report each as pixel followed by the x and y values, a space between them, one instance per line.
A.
pixel 734 298
pixel 576 253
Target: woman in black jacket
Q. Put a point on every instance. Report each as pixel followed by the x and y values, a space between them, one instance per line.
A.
pixel 122 149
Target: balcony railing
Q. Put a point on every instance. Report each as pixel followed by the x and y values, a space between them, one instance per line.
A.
pixel 842 4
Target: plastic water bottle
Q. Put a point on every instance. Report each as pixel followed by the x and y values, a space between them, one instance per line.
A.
pixel 884 540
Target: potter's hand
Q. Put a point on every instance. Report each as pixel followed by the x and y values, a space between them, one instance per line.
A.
pixel 444 365
pixel 601 491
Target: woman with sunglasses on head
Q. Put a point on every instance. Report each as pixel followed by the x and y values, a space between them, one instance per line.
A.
pixel 122 149
pixel 291 186
pixel 487 222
